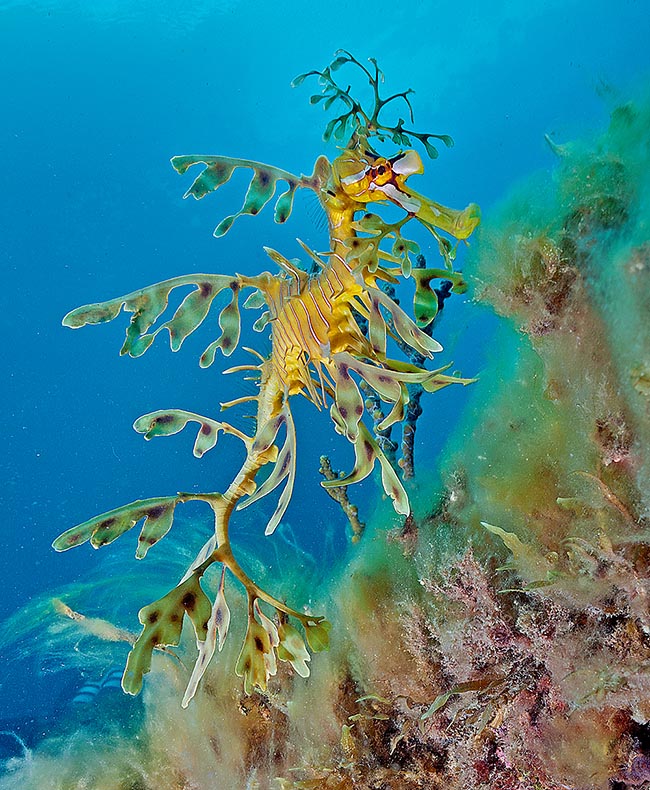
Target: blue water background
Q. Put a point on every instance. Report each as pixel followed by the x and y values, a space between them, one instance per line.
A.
pixel 96 97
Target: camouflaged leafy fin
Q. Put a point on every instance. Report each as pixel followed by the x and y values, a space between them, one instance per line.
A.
pixel 365 251
pixel 158 515
pixel 218 170
pixel 230 325
pixel 166 422
pixel 349 402
pixel 410 333
pixel 148 304
pixel 376 327
pixel 284 467
pixel 439 380
pixel 367 451
pixel 162 623
pixel 218 623
pixel 425 300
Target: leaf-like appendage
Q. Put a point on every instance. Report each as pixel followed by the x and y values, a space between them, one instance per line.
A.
pixel 376 327
pixel 364 251
pixel 438 381
pixel 163 622
pixel 262 321
pixel 158 515
pixel 372 223
pixel 230 324
pixel 284 205
pixel 255 300
pixel 367 451
pixel 148 304
pixel 402 250
pixel 265 436
pixel 217 171
pixel 405 327
pixel 284 467
pixel 365 454
pixel 349 402
pixel 393 487
pixel 166 422
pixel 366 121
pixel 318 635
pixel 385 382
pixel 425 301
pixel 396 414
pixel 217 624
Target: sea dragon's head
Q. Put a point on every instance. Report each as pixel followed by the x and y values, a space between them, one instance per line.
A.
pixel 366 177
pixel 359 176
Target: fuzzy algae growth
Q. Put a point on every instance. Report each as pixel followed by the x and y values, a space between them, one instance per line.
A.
pixel 500 637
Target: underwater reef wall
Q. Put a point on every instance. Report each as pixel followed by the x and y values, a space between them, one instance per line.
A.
pixel 501 638
pixel 523 655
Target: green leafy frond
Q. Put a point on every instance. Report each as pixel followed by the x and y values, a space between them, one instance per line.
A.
pixel 365 250
pixel 347 398
pixel 318 636
pixel 284 467
pixel 162 623
pixel 148 304
pixel 357 122
pixel 230 325
pixel 166 422
pixel 367 451
pixel 425 301
pixel 218 170
pixel 158 515
pixel 407 330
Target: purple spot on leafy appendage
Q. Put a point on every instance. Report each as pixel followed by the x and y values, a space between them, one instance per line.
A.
pixel 188 600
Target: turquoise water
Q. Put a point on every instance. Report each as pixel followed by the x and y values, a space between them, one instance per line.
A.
pixel 97 97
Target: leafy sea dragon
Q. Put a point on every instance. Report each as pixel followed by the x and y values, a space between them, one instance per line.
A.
pixel 329 324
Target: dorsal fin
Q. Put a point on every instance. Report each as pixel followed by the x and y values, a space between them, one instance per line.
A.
pixel 288 266
pixel 321 264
